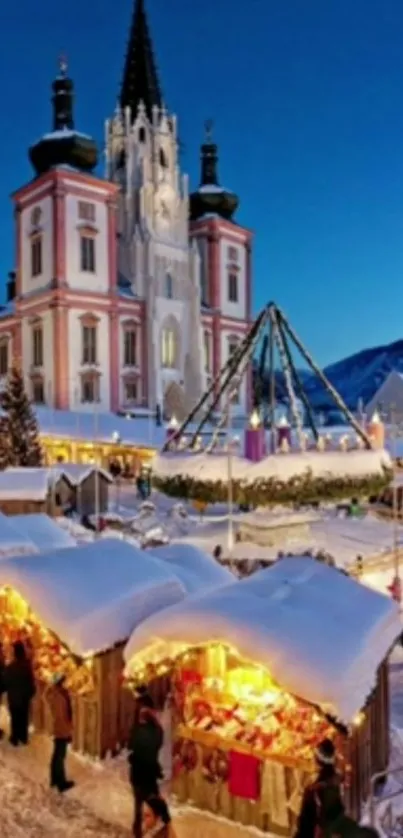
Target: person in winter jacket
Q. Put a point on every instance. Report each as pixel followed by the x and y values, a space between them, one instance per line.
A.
pixel 322 803
pixel 20 688
pixel 145 743
pixel 59 703
pixel 157 819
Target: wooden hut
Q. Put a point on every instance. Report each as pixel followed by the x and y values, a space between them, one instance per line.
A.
pixel 90 487
pixel 263 670
pixel 74 608
pixel 32 490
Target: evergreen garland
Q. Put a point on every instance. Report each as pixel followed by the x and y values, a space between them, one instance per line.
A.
pixel 20 444
pixel 301 489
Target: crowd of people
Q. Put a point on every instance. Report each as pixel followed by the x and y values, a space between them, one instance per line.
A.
pixel 17 683
pixel 322 813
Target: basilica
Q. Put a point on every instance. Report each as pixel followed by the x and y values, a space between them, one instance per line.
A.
pixel 130 290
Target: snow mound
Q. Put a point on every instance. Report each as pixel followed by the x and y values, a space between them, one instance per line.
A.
pixel 196 569
pixel 93 596
pixel 321 634
pixel 281 466
pixel 12 541
pixel 45 534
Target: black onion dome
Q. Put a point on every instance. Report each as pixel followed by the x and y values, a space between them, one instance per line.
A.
pixel 63 146
pixel 211 198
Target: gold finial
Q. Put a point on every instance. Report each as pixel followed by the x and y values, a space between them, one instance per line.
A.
pixel 63 65
pixel 208 127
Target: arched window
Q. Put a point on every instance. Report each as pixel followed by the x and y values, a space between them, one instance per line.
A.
pixel 170 343
pixel 142 134
pixel 169 286
pixel 233 343
pixel 163 159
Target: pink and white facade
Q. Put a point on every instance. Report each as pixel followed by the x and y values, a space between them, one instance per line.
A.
pixel 119 301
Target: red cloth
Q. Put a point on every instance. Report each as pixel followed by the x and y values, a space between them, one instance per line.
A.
pixel 244 776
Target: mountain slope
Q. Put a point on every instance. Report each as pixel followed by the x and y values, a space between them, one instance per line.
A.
pixel 359 376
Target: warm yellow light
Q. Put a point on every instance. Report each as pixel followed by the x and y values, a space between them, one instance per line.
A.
pixel 358 719
pixel 376 419
pixel 254 420
pixel 174 424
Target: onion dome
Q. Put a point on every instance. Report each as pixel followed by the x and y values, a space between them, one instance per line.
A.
pixel 64 146
pixel 211 198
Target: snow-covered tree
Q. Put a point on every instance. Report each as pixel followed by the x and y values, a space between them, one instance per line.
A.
pixel 20 438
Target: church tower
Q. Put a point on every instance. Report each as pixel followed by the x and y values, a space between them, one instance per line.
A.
pixel 225 249
pixel 65 224
pixel 156 262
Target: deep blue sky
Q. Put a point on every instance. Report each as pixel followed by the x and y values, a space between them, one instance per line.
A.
pixel 307 98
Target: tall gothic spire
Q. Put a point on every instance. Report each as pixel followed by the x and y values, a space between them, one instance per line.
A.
pixel 140 78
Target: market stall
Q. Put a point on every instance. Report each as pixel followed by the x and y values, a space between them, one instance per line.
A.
pixel 74 609
pixel 263 670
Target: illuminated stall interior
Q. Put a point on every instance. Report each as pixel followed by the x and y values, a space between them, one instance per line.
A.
pixel 57 450
pixel 261 672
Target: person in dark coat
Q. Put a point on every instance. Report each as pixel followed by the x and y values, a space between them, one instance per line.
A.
pixel 20 689
pixel 145 743
pixel 322 803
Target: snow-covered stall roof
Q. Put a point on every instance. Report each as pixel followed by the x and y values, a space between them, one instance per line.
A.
pixel 321 634
pixel 25 483
pixel 76 473
pixel 12 541
pixel 197 570
pixel 45 534
pixel 92 596
pixel 213 466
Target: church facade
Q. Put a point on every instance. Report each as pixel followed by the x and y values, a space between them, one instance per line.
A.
pixel 129 291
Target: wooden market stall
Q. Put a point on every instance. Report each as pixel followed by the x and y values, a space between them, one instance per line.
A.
pixel 74 608
pixel 32 490
pixel 90 487
pixel 263 670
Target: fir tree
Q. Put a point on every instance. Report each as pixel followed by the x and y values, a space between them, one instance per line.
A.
pixel 21 437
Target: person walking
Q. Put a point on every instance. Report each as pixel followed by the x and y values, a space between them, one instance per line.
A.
pixel 19 685
pixel 59 703
pixel 145 743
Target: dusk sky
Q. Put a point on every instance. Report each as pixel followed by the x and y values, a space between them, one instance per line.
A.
pixel 307 100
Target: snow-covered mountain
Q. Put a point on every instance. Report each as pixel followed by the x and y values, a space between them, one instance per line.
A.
pixel 357 377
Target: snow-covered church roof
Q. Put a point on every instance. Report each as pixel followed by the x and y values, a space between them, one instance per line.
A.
pixel 93 596
pixel 321 634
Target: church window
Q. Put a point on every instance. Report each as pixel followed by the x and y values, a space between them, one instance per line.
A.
pixel 89 344
pixel 90 389
pixel 130 391
pixel 86 211
pixel 130 347
pixel 233 344
pixel 87 253
pixel 36 256
pixel 163 159
pixel 38 394
pixel 37 346
pixel 168 348
pixel 142 134
pixel 236 394
pixel 3 356
pixel 232 254
pixel 207 351
pixel 36 216
pixel 169 286
pixel 232 287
